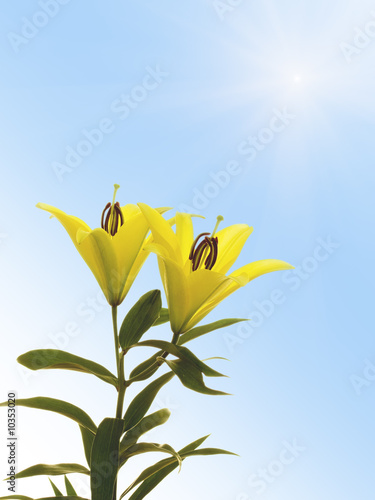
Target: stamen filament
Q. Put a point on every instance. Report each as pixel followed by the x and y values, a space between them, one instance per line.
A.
pixel 219 219
pixel 112 219
pixel 207 251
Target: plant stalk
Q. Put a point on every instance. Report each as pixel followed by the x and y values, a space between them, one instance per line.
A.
pixel 120 375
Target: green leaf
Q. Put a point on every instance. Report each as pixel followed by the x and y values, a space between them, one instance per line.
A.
pixel 19 497
pixel 140 318
pixel 146 369
pixel 56 490
pixel 142 402
pixel 145 425
pixel 194 445
pixel 152 481
pixel 52 470
pixel 202 330
pixel 163 318
pixel 22 497
pixel 209 451
pixel 105 458
pixel 191 377
pixel 58 406
pixel 139 448
pixel 69 487
pixel 61 498
pixel 41 359
pixel 88 440
pixel 153 475
pixel 182 353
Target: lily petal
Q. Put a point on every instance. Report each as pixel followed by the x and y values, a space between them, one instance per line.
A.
pixel 175 285
pixel 162 232
pixel 70 222
pixel 237 280
pixel 127 244
pixel 98 252
pixel 231 240
pixel 204 287
pixel 184 233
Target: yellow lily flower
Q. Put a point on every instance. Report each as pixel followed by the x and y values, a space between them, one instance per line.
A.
pixel 194 274
pixel 113 252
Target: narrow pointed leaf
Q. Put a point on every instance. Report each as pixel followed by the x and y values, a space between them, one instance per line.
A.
pixel 194 445
pixel 69 487
pixel 142 402
pixel 150 471
pixel 202 330
pixel 163 318
pixel 63 498
pixel 145 369
pixel 52 470
pixel 41 359
pixel 56 490
pixel 88 440
pixel 58 406
pixel 23 497
pixel 140 448
pixel 105 458
pixel 181 353
pixel 162 464
pixel 140 318
pixel 209 451
pixel 146 424
pixel 153 480
pixel 16 497
pixel 191 377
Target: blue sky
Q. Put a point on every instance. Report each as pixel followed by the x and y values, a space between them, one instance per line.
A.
pixel 261 112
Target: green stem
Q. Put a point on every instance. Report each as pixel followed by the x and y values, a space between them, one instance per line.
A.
pixel 115 334
pixel 120 375
pixel 122 387
pixel 120 366
pixel 164 355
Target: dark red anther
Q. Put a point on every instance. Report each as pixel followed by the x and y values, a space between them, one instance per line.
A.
pixel 208 244
pixel 116 221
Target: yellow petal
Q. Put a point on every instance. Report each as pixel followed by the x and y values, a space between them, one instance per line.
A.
pixel 258 268
pixel 95 248
pixel 231 240
pixel 141 257
pixel 69 222
pixel 184 233
pixel 235 281
pixel 175 286
pixel 129 211
pixel 97 251
pixel 162 232
pixel 204 287
pixel 127 243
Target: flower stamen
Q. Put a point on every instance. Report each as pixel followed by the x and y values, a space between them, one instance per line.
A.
pixel 207 249
pixel 112 217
